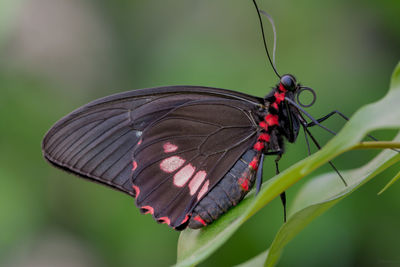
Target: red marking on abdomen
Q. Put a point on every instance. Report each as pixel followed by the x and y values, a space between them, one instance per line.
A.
pixel 263 125
pixel 134 165
pixel 254 163
pixel 272 119
pixel 200 220
pixel 264 137
pixel 171 164
pixel 258 146
pixel 147 209
pixel 196 181
pixel 140 141
pixel 203 189
pixel 168 147
pixel 137 190
pixel 164 220
pixel 244 183
pixel 183 175
pixel 279 97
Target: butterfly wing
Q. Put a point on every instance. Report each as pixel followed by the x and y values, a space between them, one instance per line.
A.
pixel 96 141
pixel 186 152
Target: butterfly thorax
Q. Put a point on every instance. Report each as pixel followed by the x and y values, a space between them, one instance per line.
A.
pixel 276 120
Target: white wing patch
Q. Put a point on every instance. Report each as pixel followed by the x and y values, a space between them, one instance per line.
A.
pixel 203 190
pixel 196 182
pixel 168 147
pixel 171 164
pixel 185 173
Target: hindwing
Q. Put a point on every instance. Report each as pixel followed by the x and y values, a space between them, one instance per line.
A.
pixel 186 152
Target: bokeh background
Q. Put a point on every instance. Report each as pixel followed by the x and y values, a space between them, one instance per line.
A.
pixel 57 55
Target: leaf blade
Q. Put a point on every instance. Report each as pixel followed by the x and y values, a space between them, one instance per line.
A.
pixel 391 182
pixel 312 199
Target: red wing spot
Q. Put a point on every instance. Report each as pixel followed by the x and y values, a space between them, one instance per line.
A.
pixel 147 209
pixel 264 137
pixel 263 125
pixel 254 163
pixel 137 190
pixel 275 106
pixel 183 175
pixel 282 88
pixel 134 165
pixel 279 97
pixel 196 181
pixel 168 147
pixel 200 220
pixel 171 164
pixel 271 119
pixel 186 218
pixel 258 146
pixel 164 220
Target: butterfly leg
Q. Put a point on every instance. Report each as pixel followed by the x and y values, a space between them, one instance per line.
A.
pixel 327 117
pixel 344 117
pixel 259 177
pixel 283 194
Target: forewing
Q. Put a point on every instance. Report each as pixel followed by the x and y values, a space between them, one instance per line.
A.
pixel 186 152
pixel 96 141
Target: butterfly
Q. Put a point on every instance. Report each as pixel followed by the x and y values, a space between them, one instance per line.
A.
pixel 187 154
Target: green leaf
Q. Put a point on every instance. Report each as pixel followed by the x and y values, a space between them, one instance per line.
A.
pixel 196 245
pixel 321 193
pixel 256 261
pixel 391 182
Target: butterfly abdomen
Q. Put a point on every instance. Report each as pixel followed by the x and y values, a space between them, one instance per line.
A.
pixel 228 192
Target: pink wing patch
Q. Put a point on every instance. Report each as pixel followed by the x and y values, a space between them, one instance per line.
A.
pixel 164 220
pixel 137 190
pixel 168 147
pixel 183 175
pixel 197 181
pixel 171 164
pixel 147 209
pixel 134 165
pixel 185 220
pixel 203 190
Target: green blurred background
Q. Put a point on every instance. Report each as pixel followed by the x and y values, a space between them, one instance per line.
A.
pixel 57 55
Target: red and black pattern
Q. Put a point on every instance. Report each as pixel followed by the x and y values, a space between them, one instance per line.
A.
pixel 187 154
pixel 228 192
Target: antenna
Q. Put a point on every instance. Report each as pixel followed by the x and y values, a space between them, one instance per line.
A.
pixel 263 36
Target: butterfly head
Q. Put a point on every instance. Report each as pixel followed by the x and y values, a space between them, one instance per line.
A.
pixel 289 83
pixel 288 92
pixel 293 90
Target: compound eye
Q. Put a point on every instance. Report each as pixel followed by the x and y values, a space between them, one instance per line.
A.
pixel 289 82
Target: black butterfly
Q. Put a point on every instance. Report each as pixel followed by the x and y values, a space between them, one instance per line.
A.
pixel 186 153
